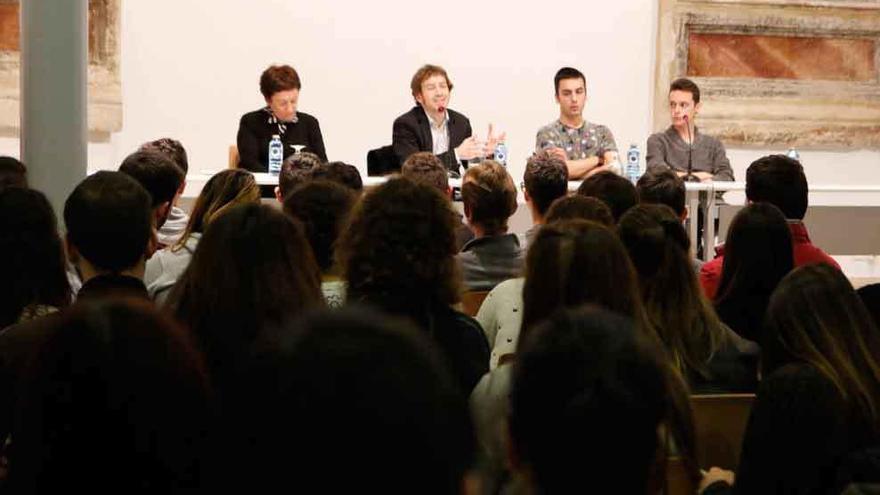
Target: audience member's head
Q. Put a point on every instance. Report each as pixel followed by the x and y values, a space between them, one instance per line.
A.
pixel 685 320
pixel 115 401
pixel 617 192
pixel 816 318
pixel 12 173
pixel 489 197
pixel 576 206
pixel 545 180
pixel 589 401
pixel 359 402
pixel 323 208
pixel 575 262
pixel 425 168
pixel 780 181
pixel 109 225
pixel 252 272
pixel 398 251
pixel 663 186
pixel 160 176
pixel 295 170
pixel 341 173
pixel 223 191
pixel 33 268
pixel 757 254
pixel 172 149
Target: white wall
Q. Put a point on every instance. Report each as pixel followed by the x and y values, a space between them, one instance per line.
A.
pixel 190 69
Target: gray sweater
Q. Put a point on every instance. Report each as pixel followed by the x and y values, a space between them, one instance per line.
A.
pixel 667 150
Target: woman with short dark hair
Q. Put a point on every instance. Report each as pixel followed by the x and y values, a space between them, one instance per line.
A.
pixel 280 86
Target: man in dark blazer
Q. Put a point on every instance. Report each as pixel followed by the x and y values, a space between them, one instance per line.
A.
pixel 432 126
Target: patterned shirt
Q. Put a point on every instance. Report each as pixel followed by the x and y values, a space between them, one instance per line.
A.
pixel 587 141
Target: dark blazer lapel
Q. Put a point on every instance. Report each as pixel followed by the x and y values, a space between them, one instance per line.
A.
pixel 425 138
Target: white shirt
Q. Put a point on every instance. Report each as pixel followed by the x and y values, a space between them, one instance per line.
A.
pixel 439 133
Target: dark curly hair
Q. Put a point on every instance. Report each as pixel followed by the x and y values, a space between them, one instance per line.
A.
pixel 399 248
pixel 323 207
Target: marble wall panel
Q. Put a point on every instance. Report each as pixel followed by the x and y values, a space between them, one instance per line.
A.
pixel 780 57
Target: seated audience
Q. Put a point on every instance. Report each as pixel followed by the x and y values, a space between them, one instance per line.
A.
pixel 252 272
pixel 818 407
pixel 780 181
pixel 34 266
pixel 12 173
pixel 341 173
pixel 425 168
pixel 295 170
pixel 177 219
pixel 615 191
pixel 500 315
pixel 493 255
pixel 352 402
pixel 545 180
pixel 398 254
pixel 709 355
pixel 571 263
pixel 159 176
pixel 595 404
pixel 223 191
pixel 109 237
pixel 323 208
pixel 115 401
pixel 757 255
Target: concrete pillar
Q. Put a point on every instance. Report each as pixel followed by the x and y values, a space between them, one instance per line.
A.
pixel 54 84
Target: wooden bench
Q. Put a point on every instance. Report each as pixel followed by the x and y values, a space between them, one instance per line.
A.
pixel 720 423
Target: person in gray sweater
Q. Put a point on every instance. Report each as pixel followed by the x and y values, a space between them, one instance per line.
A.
pixel 670 149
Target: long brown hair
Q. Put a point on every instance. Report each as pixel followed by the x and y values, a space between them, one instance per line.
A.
pixel 816 318
pixel 676 307
pixel 222 191
pixel 575 262
pixel 252 272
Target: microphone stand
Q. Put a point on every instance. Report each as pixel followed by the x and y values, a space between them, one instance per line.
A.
pixel 690 177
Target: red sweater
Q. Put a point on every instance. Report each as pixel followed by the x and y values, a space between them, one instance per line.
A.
pixel 805 253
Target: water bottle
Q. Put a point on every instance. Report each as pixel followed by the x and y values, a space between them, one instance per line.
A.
pixel 276 154
pixel 632 164
pixel 793 154
pixel 501 153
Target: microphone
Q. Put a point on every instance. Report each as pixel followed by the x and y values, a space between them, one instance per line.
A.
pixel 690 177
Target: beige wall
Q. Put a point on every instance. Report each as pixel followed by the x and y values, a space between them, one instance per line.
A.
pixel 190 69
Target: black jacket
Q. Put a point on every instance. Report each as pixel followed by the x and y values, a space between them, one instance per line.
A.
pixel 255 132
pixel 412 133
